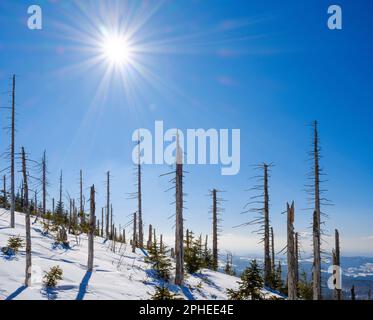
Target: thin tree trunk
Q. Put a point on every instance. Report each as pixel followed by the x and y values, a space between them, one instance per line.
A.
pixel 296 247
pixel 108 205
pixel 134 237
pixel 139 199
pixel 179 232
pixel 214 230
pixel 81 210
pixel 102 222
pixel 12 169
pixel 149 244
pixel 44 183
pixel 92 228
pixel 337 263
pixel 273 267
pixel 292 284
pixel 267 258
pixel 317 221
pixel 26 210
pixel 4 191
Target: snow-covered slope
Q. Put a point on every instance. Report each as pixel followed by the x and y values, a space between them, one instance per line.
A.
pixel 120 275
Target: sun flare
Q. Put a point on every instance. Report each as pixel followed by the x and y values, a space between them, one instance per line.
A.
pixel 117 50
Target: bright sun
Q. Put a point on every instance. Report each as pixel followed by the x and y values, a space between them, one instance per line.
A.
pixel 117 50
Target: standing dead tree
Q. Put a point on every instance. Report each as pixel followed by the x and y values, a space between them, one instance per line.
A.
pixel 81 199
pixel 44 183
pixel 134 236
pixel 12 150
pixel 92 228
pixel 296 248
pixel 26 210
pixel 107 205
pixel 317 199
pixel 216 210
pixel 273 263
pixel 336 268
pixel 261 203
pixel 177 181
pixel 149 243
pixel 291 257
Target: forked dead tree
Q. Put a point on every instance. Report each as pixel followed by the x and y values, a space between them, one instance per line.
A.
pixel 92 228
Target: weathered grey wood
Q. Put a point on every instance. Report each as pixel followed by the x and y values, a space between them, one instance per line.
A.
pixel 214 230
pixel 273 267
pixel 337 263
pixel 139 200
pixel 149 243
pixel 12 169
pixel 81 209
pixel 134 237
pixel 179 228
pixel 92 228
pixel 267 257
pixel 316 279
pixel 292 284
pixel 108 205
pixel 26 210
pixel 296 248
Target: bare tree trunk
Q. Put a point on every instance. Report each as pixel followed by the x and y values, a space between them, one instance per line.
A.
pixel 317 221
pixel 124 235
pixel 53 206
pixel 12 197
pixel 134 237
pixel 92 228
pixel 4 191
pixel 214 230
pixel 139 199
pixel 161 244
pixel 292 284
pixel 273 267
pixel 296 245
pixel 179 232
pixel 28 223
pixel 108 205
pixel 267 258
pixel 337 263
pixel 149 244
pixel 353 296
pixel 111 222
pixel 81 210
pixel 44 182
pixel 102 222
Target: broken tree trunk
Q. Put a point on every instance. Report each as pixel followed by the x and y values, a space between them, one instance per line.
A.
pixel 28 224
pixel 337 266
pixel 292 284
pixel 92 227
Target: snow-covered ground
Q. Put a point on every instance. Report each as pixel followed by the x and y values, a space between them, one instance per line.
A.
pixel 121 276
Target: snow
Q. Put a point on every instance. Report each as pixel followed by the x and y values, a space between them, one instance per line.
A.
pixel 117 276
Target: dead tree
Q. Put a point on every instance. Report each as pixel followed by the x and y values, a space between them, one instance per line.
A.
pixel 318 199
pixel 81 209
pixel 149 243
pixel 273 267
pixel 102 222
pixel 161 244
pixel 179 229
pixel 337 266
pixel 261 207
pixel 4 192
pixel 296 248
pixel 216 210
pixel 26 210
pixel 111 222
pixel 44 182
pixel 292 284
pixel 12 150
pixel 92 228
pixel 134 237
pixel 107 204
pixel 124 236
pixel 139 200
pixel 353 295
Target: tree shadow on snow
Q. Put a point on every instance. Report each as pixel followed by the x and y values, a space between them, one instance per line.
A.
pixel 83 286
pixel 16 293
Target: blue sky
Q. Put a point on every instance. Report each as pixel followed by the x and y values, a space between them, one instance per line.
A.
pixel 267 68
